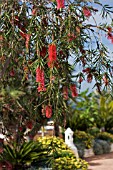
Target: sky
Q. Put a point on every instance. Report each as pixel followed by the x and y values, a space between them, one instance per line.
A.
pixel 98 19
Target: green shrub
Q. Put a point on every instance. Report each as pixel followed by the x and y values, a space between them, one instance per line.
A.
pixel 97 148
pixel 23 155
pixel 94 131
pixel 85 138
pixel 101 146
pixel 63 157
pixel 81 149
pixel 105 136
pixel 105 146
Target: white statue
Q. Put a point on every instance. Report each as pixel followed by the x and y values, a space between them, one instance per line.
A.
pixel 69 141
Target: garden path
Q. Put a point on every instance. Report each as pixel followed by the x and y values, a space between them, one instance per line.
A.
pixel 100 162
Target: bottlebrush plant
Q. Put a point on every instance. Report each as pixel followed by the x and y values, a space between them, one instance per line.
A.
pixel 38 40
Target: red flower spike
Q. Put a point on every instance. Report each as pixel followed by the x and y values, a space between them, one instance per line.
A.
pixel 60 4
pixel 89 78
pixel 86 12
pixel 52 53
pixel 73 90
pixel 27 36
pixel 50 64
pixel 65 92
pixel 34 11
pixel 41 88
pixel 40 79
pixel 39 74
pixel 48 111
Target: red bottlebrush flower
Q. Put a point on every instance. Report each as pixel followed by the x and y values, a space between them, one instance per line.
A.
pixel 27 36
pixel 86 12
pixel 34 11
pixel 89 78
pixel 29 125
pixel 40 79
pixel 87 70
pixel 109 29
pixel 65 92
pixel 60 4
pixel 41 88
pixel 73 90
pixel 50 64
pixel 71 37
pixel 53 64
pixel 105 79
pixel 52 53
pixel 43 51
pixel 39 74
pixel 48 111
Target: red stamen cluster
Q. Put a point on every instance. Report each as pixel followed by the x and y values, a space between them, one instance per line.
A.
pixel 48 111
pixel 60 4
pixel 40 79
pixel 86 12
pixel 73 89
pixel 52 55
pixel 34 11
pixel 27 36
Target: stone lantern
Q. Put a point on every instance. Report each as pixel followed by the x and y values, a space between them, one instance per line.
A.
pixel 69 141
